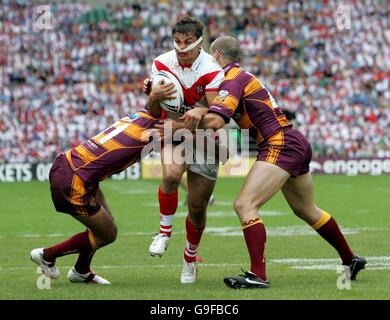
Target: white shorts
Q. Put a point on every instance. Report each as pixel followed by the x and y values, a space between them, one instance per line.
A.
pixel 206 170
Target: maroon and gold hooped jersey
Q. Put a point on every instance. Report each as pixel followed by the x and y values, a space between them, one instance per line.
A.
pixel 243 97
pixel 112 150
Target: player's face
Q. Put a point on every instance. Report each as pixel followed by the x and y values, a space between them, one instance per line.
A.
pixel 183 41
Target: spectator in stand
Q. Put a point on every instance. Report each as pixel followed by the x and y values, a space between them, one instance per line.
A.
pixel 89 68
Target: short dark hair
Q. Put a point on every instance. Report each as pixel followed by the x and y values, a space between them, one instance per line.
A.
pixel 189 24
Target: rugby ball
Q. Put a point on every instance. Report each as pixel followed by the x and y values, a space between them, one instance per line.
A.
pixel 175 104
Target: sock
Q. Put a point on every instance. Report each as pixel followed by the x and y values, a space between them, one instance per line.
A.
pixel 327 228
pixel 83 263
pixel 192 241
pixel 168 205
pixel 255 238
pixel 81 242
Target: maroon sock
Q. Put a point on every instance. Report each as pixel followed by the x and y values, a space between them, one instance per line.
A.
pixel 78 243
pixel 255 238
pixel 330 232
pixel 193 236
pixel 83 264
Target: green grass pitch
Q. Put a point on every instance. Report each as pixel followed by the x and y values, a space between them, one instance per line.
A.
pixel 300 264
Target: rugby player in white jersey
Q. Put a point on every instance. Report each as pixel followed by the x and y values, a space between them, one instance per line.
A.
pixel 200 76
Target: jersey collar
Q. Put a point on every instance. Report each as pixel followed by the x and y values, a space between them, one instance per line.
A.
pixel 231 65
pixel 192 66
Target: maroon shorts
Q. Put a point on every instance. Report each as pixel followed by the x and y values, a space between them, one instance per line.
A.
pixel 289 150
pixel 69 193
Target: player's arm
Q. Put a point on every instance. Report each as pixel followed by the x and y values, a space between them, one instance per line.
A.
pixel 160 92
pixel 193 117
pixel 147 85
pixel 212 121
pixel 223 106
pixel 156 94
pixel 167 127
pixel 210 97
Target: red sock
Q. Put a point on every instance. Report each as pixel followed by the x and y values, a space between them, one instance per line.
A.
pixel 255 238
pixel 193 238
pixel 168 205
pixel 78 243
pixel 328 229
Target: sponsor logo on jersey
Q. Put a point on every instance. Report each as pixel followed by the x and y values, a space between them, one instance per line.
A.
pixel 92 144
pixel 134 116
pixel 200 89
pixel 222 94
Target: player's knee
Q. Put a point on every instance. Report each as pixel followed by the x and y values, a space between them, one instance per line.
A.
pixel 112 234
pixel 241 206
pixel 172 180
pixel 307 214
pixel 244 205
pixel 109 236
pixel 198 209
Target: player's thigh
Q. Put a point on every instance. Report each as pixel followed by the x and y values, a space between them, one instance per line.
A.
pixel 300 196
pixel 200 190
pixel 99 198
pixel 173 167
pixel 263 181
pixel 102 226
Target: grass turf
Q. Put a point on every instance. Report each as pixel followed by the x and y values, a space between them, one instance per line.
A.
pixel 359 204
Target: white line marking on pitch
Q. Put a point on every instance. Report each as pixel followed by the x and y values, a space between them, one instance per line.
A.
pixel 373 263
pixel 221 231
pixel 216 203
pixel 43 235
pixel 312 260
pixel 223 214
pixel 284 231
pixel 143 266
pixel 334 267
pixel 136 191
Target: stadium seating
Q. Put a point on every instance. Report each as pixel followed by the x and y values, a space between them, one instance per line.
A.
pixel 67 83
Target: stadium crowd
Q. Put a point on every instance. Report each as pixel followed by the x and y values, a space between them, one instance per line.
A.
pixel 72 80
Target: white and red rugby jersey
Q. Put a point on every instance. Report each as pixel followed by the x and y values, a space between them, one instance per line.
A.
pixel 203 75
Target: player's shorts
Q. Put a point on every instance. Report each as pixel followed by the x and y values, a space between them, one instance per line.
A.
pixel 208 168
pixel 208 171
pixel 289 150
pixel 69 193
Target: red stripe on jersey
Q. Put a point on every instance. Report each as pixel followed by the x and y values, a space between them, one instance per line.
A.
pixel 160 66
pixel 212 90
pixel 197 91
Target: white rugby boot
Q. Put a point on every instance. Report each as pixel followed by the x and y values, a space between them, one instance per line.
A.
pixel 189 272
pixel 159 245
pixel 89 277
pixel 46 267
